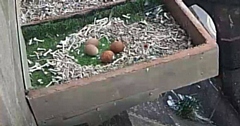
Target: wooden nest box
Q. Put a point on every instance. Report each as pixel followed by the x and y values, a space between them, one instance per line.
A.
pixel 95 99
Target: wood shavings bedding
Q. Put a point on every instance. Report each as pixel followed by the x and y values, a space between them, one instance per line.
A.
pixel 37 10
pixel 145 40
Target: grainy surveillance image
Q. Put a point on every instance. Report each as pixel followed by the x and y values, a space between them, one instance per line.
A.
pixel 119 63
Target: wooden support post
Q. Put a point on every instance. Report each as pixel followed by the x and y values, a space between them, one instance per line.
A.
pixel 14 109
pixel 23 51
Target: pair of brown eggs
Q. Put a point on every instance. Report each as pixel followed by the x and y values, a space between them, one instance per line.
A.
pixel 115 47
pixel 107 56
pixel 91 47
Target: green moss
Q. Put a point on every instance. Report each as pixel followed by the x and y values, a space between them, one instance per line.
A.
pixel 54 31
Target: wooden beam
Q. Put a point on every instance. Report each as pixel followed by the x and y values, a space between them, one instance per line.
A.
pixel 23 51
pixel 13 103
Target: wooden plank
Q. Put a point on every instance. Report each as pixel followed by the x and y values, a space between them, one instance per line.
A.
pixel 23 52
pixel 25 68
pixel 73 104
pixel 100 113
pixel 140 121
pixel 12 96
pixel 76 13
pixel 4 119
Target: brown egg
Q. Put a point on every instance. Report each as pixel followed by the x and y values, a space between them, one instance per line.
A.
pixel 107 56
pixel 93 41
pixel 90 50
pixel 117 46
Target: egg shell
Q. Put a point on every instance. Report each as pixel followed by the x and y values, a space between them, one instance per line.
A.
pixel 93 41
pixel 107 56
pixel 90 50
pixel 117 46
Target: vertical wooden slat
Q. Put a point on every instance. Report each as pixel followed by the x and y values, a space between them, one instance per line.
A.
pixel 23 52
pixel 13 102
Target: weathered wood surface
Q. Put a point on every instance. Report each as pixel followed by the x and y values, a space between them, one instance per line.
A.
pixel 99 101
pixel 76 13
pixel 23 51
pixel 4 120
pixel 14 108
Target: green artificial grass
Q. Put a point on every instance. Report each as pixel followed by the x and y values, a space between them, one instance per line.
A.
pixel 83 59
pixel 54 31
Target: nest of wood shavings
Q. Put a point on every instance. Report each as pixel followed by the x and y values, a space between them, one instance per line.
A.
pixel 145 40
pixel 37 10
